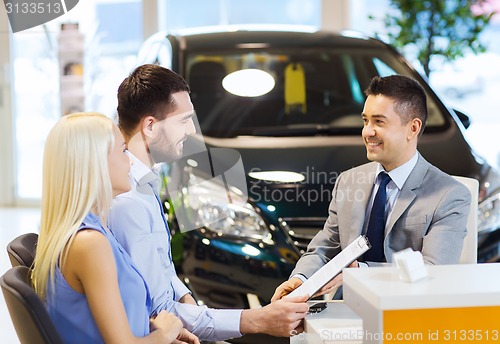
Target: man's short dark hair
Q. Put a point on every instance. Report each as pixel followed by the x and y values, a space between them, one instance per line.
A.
pixel 409 97
pixel 147 91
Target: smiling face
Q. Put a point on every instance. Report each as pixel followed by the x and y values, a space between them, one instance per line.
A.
pixel 388 141
pixel 169 134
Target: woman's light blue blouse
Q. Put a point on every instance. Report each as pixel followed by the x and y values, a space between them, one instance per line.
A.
pixel 70 312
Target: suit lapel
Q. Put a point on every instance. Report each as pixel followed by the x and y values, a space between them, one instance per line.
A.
pixel 409 191
pixel 405 198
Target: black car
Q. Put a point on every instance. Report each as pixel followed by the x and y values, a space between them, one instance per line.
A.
pixel 295 135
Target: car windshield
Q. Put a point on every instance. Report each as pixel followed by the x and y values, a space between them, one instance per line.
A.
pixel 293 93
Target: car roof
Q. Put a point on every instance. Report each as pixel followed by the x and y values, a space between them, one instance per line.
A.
pixel 276 39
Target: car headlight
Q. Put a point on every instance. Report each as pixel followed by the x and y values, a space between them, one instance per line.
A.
pixel 223 210
pixel 489 213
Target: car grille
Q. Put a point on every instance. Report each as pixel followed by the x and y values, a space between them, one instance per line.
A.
pixel 302 230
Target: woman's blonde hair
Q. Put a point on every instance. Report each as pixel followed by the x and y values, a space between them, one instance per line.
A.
pixel 75 182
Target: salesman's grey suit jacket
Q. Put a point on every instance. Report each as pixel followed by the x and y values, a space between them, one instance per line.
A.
pixel 430 216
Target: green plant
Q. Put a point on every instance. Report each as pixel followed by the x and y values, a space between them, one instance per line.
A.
pixel 448 28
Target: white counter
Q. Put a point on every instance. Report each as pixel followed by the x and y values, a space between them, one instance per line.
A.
pixel 454 300
pixel 337 324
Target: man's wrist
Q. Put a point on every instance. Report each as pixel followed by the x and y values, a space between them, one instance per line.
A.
pixel 251 321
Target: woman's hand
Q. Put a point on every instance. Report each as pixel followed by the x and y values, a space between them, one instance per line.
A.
pixel 167 323
pixel 186 337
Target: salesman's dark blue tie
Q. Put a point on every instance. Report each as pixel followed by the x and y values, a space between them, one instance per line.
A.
pixel 376 224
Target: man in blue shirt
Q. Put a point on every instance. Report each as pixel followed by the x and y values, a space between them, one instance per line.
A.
pixel 155 116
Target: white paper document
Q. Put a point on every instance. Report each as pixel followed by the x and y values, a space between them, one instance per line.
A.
pixel 331 269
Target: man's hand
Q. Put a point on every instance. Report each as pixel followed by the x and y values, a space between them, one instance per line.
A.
pixel 188 298
pixel 286 288
pixel 335 283
pixel 282 318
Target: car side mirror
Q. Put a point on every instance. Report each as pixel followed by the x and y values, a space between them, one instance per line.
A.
pixel 463 118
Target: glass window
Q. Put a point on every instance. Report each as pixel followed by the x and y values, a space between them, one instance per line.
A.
pixel 382 68
pixel 110 53
pixel 234 12
pixel 470 84
pixel 36 105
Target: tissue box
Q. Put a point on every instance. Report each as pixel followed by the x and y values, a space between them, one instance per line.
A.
pixel 410 265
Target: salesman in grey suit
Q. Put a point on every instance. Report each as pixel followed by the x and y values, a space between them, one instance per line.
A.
pixel 398 200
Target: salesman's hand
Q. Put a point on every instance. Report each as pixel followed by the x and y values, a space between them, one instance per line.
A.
pixel 286 288
pixel 335 283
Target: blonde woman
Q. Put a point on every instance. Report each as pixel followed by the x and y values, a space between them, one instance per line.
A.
pixel 92 290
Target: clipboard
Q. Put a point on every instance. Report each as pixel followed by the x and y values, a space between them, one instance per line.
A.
pixel 331 269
